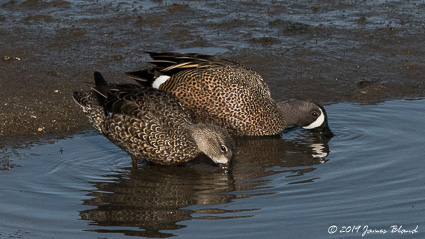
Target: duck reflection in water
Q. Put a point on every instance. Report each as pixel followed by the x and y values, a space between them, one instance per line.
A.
pixel 155 198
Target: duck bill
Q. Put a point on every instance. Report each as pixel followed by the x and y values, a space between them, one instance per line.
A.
pixel 323 130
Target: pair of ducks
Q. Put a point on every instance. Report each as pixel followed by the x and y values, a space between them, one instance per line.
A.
pixel 188 104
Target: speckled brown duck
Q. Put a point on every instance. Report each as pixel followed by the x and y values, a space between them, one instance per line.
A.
pixel 219 91
pixel 151 125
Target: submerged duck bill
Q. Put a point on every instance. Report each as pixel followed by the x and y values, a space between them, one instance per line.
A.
pixel 324 131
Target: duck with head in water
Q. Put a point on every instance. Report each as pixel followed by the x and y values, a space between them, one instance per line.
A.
pixel 226 93
pixel 151 125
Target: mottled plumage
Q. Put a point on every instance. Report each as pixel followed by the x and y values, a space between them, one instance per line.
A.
pixel 226 93
pixel 151 125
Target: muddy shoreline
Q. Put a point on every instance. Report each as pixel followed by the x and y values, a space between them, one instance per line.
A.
pixel 51 48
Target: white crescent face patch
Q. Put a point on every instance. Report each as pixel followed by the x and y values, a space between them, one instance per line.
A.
pixel 159 81
pixel 318 122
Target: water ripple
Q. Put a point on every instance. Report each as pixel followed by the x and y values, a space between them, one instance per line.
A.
pixel 370 173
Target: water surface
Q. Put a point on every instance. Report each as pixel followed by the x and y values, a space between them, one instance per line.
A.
pixel 369 176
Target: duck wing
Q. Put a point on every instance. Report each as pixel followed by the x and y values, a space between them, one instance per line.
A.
pixel 215 90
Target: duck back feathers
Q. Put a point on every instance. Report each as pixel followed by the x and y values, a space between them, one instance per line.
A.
pixel 148 123
pixel 216 91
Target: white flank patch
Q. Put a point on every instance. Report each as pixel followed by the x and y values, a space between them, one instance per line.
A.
pixel 159 81
pixel 318 122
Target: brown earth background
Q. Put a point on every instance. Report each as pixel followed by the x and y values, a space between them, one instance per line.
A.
pixel 329 51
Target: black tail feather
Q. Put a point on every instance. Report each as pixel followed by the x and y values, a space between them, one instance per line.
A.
pixel 101 87
pixel 98 79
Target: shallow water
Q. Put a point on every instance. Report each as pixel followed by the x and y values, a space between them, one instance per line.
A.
pixel 369 176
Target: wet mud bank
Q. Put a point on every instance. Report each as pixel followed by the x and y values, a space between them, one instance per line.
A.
pixel 331 52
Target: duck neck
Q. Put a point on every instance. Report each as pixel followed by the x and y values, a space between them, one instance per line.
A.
pixel 198 132
pixel 288 110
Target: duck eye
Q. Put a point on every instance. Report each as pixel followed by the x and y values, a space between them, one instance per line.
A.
pixel 223 148
pixel 315 114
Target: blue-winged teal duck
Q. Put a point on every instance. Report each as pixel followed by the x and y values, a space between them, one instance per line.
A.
pixel 226 93
pixel 151 125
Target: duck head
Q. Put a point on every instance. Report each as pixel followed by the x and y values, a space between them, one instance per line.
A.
pixel 306 114
pixel 215 142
